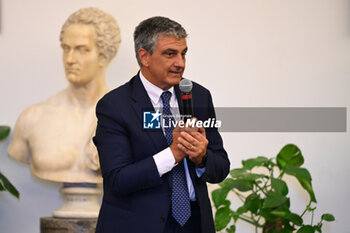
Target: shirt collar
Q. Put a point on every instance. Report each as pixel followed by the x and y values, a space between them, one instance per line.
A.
pixel 153 91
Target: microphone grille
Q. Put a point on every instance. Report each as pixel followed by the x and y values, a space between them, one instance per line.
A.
pixel 185 85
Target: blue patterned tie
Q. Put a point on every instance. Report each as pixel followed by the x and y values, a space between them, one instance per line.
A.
pixel 180 200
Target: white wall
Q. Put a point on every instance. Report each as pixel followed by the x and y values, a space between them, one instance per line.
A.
pixel 251 53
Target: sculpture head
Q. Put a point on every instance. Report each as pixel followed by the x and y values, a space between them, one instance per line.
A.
pixel 90 39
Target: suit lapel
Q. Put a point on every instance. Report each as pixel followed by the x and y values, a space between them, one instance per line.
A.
pixel 141 103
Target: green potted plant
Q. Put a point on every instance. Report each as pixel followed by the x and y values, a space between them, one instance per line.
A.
pixel 260 186
pixel 5 184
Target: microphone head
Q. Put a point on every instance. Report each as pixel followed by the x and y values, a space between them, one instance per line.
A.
pixel 185 85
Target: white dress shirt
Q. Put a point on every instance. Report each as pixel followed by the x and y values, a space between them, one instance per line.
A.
pixel 164 159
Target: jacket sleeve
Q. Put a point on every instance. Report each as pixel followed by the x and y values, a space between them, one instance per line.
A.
pixel 120 171
pixel 217 165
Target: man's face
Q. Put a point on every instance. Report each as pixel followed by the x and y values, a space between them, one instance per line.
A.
pixel 167 63
pixel 80 54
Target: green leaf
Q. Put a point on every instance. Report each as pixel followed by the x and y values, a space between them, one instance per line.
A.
pixel 252 203
pixel 304 178
pixel 238 172
pixel 274 200
pixel 232 229
pixel 255 162
pixel 328 217
pixel 286 205
pixel 243 174
pixel 306 229
pixel 318 227
pixel 222 218
pixel 280 213
pixel 279 186
pixel 289 154
pixel 287 226
pixel 219 197
pixel 309 208
pixel 227 184
pixel 2 188
pixel 294 218
pixel 227 203
pixel 242 209
pixel 4 132
pixel 243 185
pixel 234 215
pixel 286 214
pixel 266 214
pixel 8 186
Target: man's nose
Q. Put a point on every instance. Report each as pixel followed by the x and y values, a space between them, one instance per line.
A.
pixel 180 61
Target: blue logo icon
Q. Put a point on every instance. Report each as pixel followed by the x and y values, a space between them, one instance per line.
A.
pixel 151 120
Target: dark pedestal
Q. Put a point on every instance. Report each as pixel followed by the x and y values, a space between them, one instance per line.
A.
pixel 67 225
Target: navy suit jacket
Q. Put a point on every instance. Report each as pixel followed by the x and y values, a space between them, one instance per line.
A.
pixel 136 199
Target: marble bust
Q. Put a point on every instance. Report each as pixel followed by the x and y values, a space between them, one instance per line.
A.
pixel 54 136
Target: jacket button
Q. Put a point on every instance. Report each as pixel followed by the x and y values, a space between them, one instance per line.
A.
pixel 162 218
pixel 169 192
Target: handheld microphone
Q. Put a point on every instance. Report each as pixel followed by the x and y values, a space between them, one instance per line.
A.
pixel 186 97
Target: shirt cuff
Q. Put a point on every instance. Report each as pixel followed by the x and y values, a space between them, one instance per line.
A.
pixel 164 161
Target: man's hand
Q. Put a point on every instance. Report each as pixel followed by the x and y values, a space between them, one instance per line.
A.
pixel 179 155
pixel 194 143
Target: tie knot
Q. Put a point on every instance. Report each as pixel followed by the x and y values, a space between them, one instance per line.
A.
pixel 166 95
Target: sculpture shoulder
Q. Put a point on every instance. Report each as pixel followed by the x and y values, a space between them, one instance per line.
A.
pixel 19 146
pixel 31 114
pixel 36 110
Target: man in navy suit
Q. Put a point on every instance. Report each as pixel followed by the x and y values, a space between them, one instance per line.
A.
pixel 155 180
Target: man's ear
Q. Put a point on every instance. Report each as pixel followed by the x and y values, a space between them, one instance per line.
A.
pixel 144 56
pixel 103 61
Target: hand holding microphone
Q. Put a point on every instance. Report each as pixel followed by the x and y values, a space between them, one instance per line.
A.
pixel 191 141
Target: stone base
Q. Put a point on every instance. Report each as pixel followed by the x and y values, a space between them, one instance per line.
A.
pixel 79 202
pixel 67 225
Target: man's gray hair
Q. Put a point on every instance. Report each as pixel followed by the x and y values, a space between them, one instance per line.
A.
pixel 148 31
pixel 106 28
